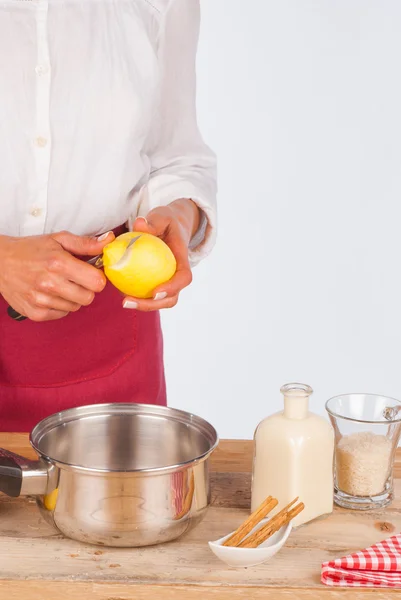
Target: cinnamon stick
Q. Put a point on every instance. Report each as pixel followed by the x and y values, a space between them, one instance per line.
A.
pixel 277 522
pixel 254 519
pixel 247 543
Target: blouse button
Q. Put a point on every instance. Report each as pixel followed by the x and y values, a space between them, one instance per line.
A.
pixel 36 212
pixel 41 142
pixel 42 70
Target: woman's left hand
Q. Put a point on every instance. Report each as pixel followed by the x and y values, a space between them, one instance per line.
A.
pixel 175 224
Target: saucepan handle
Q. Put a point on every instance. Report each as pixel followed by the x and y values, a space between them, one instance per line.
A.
pixel 22 477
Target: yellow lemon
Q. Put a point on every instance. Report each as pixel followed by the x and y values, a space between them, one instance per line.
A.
pixel 148 263
pixel 50 500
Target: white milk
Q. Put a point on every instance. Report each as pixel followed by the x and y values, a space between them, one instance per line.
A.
pixel 293 457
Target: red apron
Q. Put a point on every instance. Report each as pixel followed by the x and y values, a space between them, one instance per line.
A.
pixel 102 353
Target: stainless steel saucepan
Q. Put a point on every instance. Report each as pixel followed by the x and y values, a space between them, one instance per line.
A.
pixel 117 474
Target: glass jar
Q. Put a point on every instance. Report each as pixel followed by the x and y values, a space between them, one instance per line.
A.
pixel 367 431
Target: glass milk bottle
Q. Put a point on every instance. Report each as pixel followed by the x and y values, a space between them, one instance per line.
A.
pixel 293 457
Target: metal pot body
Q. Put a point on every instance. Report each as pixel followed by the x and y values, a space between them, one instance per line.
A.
pixel 117 475
pixel 125 510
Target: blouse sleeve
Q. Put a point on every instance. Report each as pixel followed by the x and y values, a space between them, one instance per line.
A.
pixel 182 165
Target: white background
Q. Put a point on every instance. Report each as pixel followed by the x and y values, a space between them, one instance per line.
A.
pixel 301 100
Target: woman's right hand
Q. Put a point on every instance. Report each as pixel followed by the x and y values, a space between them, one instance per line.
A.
pixel 41 279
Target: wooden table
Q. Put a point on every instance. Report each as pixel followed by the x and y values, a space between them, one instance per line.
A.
pixel 36 563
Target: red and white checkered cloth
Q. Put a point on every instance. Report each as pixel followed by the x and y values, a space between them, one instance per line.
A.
pixel 377 566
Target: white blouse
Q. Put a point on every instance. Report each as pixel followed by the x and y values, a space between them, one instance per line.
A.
pixel 97 115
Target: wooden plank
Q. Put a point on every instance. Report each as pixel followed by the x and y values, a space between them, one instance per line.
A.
pixel 231 456
pixel 231 490
pixel 32 590
pixel 397 465
pixel 30 550
pixel 18 443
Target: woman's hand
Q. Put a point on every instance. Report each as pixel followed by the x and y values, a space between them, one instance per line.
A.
pixel 41 279
pixel 175 224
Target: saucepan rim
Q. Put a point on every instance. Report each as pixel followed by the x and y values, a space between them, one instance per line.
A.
pixel 73 414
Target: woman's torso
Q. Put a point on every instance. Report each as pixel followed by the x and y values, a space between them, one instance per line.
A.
pixel 78 90
pixel 79 83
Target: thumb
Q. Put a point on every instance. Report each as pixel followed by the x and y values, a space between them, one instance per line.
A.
pixel 142 225
pixel 83 245
pixel 155 223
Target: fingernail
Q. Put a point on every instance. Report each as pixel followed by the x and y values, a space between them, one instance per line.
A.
pixel 160 296
pixel 143 219
pixel 130 304
pixel 102 237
